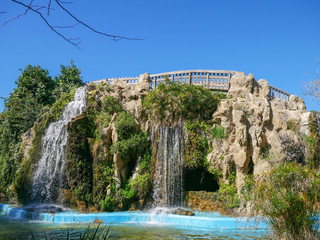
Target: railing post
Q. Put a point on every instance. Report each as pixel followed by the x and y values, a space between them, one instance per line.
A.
pixel 208 80
pixel 190 78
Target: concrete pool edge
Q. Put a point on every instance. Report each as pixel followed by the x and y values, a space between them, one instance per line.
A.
pixel 206 221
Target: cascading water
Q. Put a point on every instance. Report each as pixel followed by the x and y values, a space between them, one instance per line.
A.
pixel 49 175
pixel 168 173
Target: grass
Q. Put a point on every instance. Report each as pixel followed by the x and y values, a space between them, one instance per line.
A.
pixel 89 234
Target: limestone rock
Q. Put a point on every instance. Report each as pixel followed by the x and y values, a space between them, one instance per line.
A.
pixel 254 122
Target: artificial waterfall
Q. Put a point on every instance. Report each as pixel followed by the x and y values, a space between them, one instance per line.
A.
pixel 168 169
pixel 49 175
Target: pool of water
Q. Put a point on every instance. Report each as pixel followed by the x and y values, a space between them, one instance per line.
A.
pixel 17 229
pixel 14 224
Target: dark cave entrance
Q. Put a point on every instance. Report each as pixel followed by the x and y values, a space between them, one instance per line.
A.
pixel 199 179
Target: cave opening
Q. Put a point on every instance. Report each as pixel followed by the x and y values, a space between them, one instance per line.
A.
pixel 199 179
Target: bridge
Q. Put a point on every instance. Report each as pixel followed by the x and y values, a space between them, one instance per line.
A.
pixel 218 80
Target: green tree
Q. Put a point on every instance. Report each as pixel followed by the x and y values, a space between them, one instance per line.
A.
pixel 23 106
pixel 69 78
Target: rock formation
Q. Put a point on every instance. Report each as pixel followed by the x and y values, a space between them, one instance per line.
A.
pixel 255 124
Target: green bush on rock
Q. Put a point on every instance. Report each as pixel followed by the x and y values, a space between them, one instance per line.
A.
pixel 79 160
pixel 178 101
pixel 197 147
pixel 227 193
pixel 288 198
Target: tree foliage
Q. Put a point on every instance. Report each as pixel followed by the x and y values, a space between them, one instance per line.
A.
pixel 288 197
pixel 69 78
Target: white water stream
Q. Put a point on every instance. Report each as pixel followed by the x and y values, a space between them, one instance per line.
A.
pixel 49 175
pixel 168 176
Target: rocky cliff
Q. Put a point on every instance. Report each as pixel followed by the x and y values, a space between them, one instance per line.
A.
pixel 258 129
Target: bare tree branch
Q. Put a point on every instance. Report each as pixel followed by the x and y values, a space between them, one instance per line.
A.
pixel 312 88
pixel 48 24
pixel 115 37
pixel 72 26
pixel 49 4
pixel 73 41
pixel 19 15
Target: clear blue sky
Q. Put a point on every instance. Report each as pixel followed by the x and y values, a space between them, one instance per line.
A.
pixel 275 40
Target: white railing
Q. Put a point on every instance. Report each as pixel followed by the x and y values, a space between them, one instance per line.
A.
pixel 278 93
pixel 212 79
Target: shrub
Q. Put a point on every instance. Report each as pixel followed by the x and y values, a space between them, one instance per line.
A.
pixel 247 188
pixel 178 101
pixel 125 126
pixel 110 105
pixel 196 146
pixel 142 185
pixel 288 198
pixel 79 160
pixel 293 150
pixel 219 132
pixel 132 147
pixel 227 193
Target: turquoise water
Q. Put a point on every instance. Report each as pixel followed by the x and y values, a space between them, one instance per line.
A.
pixel 128 225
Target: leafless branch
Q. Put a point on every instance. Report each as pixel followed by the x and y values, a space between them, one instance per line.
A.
pixel 312 88
pixel 48 24
pixel 19 15
pixel 49 5
pixel 114 37
pixel 30 7
pixel 63 2
pixel 72 26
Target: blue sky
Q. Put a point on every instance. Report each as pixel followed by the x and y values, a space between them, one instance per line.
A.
pixel 275 40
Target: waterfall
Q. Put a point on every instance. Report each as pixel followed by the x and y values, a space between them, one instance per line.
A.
pixel 49 175
pixel 168 169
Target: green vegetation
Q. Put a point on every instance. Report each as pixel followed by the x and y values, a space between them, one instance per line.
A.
pixel 172 102
pixel 33 97
pixel 288 197
pixel 227 193
pixel 131 142
pixel 69 78
pixel 197 147
pixel 142 182
pixel 79 160
pixel 247 189
pixel 215 172
pixel 219 132
pixel 291 125
pixel 313 142
pixel 89 234
pixel 22 183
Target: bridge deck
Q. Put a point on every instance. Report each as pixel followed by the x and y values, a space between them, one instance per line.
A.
pixel 218 80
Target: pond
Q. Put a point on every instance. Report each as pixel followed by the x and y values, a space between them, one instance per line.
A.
pixel 130 225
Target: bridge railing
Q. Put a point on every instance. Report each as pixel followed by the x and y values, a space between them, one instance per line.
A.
pixel 212 79
pixel 278 93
